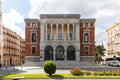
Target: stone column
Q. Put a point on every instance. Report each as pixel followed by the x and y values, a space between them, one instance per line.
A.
pixel 42 31
pixel 56 31
pixel 73 32
pixel 67 31
pixel 62 31
pixel 77 32
pixel 51 31
pixel 46 32
pixel 54 55
pixel 65 54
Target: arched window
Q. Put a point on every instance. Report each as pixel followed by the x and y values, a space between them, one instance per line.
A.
pixel 59 52
pixel 33 37
pixel 86 37
pixel 48 52
pixel 71 52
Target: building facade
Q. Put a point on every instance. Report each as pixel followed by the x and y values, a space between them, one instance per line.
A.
pixel 113 39
pixel 13 49
pixel 0 29
pixel 59 37
pixel 12 46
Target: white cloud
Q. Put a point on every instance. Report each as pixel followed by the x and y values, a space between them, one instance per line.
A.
pixel 106 12
pixel 100 36
pixel 11 19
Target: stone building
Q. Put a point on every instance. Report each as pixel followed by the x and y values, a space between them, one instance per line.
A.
pixel 59 37
pixel 113 39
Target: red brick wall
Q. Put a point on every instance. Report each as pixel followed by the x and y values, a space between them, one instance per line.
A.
pixel 28 42
pixel 92 40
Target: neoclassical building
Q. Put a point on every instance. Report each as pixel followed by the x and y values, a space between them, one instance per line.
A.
pixel 59 37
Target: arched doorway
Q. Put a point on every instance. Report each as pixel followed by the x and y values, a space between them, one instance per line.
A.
pixel 71 51
pixel 59 52
pixel 48 52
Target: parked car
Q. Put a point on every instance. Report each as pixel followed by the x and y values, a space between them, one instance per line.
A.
pixel 115 64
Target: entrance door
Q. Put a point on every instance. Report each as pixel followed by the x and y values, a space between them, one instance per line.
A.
pixel 48 53
pixel 71 53
pixel 59 52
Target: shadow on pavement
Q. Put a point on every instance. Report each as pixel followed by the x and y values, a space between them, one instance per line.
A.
pixel 56 76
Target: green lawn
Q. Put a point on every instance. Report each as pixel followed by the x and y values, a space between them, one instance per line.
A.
pixel 55 76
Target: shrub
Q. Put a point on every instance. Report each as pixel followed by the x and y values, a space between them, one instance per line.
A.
pixel 76 72
pixel 50 67
pixel 103 73
pixel 87 73
pixel 96 73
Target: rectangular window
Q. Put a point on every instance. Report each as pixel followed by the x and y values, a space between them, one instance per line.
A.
pixel 33 25
pixel 59 36
pixel 33 50
pixel 69 36
pixel 91 24
pixel 28 24
pixel 86 49
pixel 49 36
pixel 86 24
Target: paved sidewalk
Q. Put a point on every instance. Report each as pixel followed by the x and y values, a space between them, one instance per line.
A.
pixel 26 70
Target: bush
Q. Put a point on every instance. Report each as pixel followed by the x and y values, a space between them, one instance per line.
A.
pixel 96 73
pixel 76 72
pixel 103 73
pixel 50 67
pixel 87 73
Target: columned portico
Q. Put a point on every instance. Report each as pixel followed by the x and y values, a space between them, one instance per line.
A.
pixel 62 34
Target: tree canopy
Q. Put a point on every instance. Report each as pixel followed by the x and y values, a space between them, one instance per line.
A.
pixel 99 52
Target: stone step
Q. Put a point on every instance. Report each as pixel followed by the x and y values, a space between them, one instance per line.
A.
pixel 62 64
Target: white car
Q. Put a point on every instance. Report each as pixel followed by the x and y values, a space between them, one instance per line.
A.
pixel 115 64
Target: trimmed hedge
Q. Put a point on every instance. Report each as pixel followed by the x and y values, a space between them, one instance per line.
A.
pixel 50 67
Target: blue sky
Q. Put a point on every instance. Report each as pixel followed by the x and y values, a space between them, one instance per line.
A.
pixel 105 12
pixel 21 6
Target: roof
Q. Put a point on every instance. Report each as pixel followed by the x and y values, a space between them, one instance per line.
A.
pixel 29 19
pixel 59 15
pixel 88 19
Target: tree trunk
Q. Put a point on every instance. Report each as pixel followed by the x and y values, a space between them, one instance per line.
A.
pixel 50 74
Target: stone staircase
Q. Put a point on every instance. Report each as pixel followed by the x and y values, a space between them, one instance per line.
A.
pixel 72 64
pixel 62 64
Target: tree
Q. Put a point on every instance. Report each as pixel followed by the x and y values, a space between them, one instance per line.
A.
pixel 50 67
pixel 99 52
